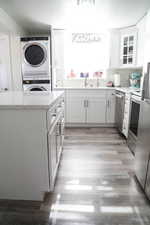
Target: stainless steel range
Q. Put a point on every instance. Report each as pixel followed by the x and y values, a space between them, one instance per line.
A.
pixel 142 152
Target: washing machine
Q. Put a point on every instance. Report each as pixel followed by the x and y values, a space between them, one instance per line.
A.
pixel 36 63
pixel 36 85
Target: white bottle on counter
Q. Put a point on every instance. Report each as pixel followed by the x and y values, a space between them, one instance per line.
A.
pixel 117 80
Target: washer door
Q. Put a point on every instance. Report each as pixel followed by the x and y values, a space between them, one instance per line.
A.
pixel 35 54
pixel 37 89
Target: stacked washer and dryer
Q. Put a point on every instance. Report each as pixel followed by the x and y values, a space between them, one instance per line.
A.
pixel 36 63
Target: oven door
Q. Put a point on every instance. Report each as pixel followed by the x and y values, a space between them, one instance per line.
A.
pixel 134 118
pixel 133 127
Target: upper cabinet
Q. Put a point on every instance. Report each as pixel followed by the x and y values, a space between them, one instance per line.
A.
pixel 127 46
pixel 128 49
pixel 114 49
pixel 141 26
pixel 58 39
pixel 147 24
pixel 147 42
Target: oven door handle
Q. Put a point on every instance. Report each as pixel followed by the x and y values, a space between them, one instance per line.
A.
pixel 135 100
pixel 119 96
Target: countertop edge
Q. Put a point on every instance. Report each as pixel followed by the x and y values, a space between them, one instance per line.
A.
pixel 33 107
pixel 92 88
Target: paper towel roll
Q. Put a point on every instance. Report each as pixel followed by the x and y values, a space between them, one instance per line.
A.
pixel 116 80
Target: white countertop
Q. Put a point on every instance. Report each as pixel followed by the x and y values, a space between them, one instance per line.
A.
pixel 28 100
pixel 123 89
pixel 127 89
pixel 84 88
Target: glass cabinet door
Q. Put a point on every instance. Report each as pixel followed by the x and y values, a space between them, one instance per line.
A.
pixel 128 45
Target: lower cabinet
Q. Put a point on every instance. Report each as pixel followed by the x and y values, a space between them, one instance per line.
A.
pixel 55 140
pixel 75 109
pixel 60 136
pixel 96 110
pixel 29 160
pixel 90 107
pixel 52 154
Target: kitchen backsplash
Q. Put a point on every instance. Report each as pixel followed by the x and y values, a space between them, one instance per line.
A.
pixel 124 75
pixel 124 79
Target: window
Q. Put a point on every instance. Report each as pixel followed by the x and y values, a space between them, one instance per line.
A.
pixel 86 55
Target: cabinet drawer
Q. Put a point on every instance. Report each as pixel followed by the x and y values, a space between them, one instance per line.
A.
pixel 54 112
pixel 51 117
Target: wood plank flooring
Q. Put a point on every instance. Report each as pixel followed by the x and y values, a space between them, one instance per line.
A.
pixel 95 186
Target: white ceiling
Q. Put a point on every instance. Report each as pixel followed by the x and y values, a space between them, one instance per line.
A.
pixel 35 15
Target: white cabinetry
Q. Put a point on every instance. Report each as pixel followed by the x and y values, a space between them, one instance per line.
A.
pixel 147 25
pixel 75 112
pixel 55 120
pixel 29 160
pixel 52 154
pixel 141 26
pixel 96 109
pixel 114 49
pixel 147 42
pixel 58 56
pixel 111 103
pixel 128 47
pixel 87 107
pixel 123 47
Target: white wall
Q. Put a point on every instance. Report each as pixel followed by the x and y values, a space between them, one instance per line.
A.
pixel 13 31
pixel 58 56
pixel 5 63
pixel 15 51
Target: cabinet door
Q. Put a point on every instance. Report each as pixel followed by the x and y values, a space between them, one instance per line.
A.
pixel 59 140
pixel 52 154
pixel 62 130
pixel 141 41
pixel 114 49
pixel 75 110
pixel 58 57
pixel 147 43
pixel 111 102
pixel 96 110
pixel 128 49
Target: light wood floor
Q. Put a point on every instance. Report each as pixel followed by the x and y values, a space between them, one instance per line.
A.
pixel 95 183
pixel 95 186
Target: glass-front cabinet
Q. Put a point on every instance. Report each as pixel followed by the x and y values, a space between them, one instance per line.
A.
pixel 128 50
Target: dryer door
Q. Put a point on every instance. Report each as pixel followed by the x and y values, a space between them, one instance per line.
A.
pixel 35 54
pixel 37 88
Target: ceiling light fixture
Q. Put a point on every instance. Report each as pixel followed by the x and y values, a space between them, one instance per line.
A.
pixel 83 2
